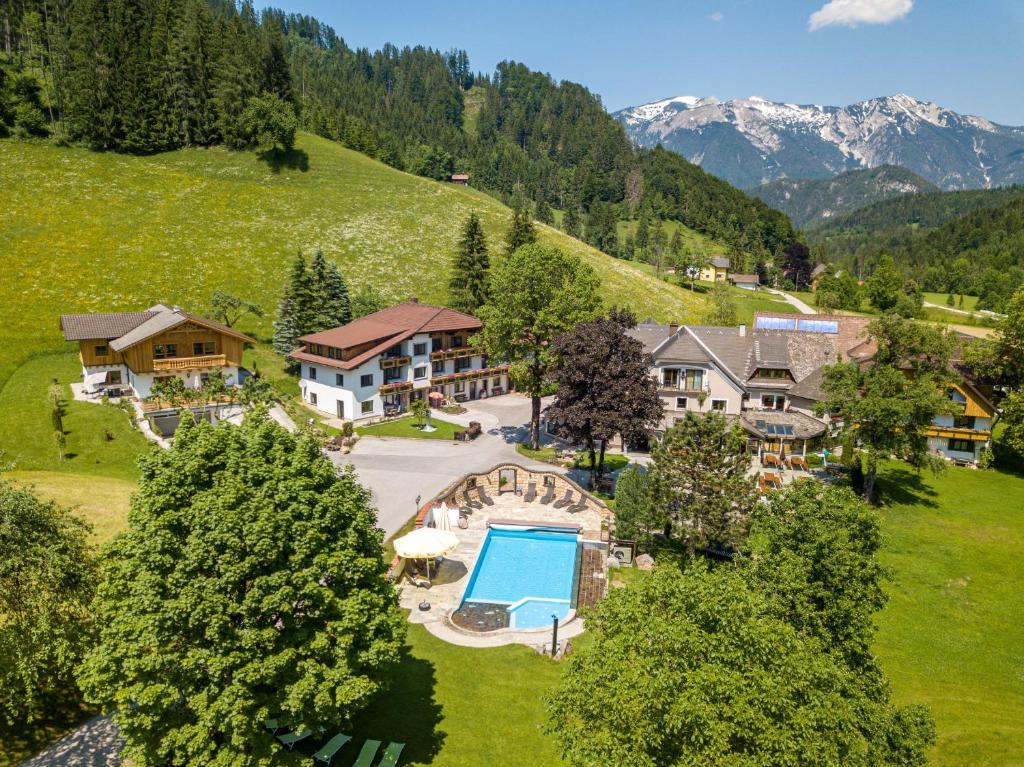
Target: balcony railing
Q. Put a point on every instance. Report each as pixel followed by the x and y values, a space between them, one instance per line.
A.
pixel 395 388
pixel 394 362
pixel 468 375
pixel 190 363
pixel 454 354
pixel 958 432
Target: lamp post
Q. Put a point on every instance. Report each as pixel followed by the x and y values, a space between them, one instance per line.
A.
pixel 554 634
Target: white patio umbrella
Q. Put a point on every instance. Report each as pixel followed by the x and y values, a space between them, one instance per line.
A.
pixel 442 518
pixel 426 543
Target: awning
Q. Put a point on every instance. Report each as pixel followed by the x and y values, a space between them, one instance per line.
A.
pixel 94 380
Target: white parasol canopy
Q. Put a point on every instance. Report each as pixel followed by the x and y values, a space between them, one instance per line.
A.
pixel 442 518
pixel 426 543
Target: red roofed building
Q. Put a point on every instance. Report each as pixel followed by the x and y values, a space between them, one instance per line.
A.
pixel 374 366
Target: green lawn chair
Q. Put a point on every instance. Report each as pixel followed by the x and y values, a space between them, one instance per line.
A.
pixel 291 738
pixel 365 758
pixel 274 725
pixel 331 747
pixel 391 754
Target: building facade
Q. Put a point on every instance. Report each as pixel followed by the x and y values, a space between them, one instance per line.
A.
pixel 376 365
pixel 130 351
pixel 717 269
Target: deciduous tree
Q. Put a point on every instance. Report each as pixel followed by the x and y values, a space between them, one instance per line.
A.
pixel 885 284
pixel 537 294
pixel 229 309
pixel 723 308
pixel 47 579
pixel 249 584
pixel 604 386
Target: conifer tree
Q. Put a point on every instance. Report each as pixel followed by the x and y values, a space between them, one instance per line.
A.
pixel 543 212
pixel 301 287
pixel 571 223
pixel 286 326
pixel 520 230
pixel 335 306
pixel 468 287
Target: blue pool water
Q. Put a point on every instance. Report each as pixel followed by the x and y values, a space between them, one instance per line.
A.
pixel 529 570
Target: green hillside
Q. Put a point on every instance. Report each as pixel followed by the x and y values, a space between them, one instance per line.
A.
pixel 85 232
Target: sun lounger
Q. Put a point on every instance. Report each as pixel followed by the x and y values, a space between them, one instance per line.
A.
pixel 470 502
pixel 291 738
pixel 564 501
pixel 365 758
pixel 531 492
pixel 483 495
pixel 391 754
pixel 577 507
pixel 331 747
pixel 549 495
pixel 274 725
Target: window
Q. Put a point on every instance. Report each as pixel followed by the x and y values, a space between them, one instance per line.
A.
pixel 670 378
pixel 463 363
pixel 773 402
pixel 101 350
pixel 420 372
pixel 680 403
pixel 312 373
pixel 113 376
pixel 961 446
pixel 956 397
pixel 367 407
pixel 312 398
pixel 496 382
pixel 437 367
pixel 457 342
pixel 436 344
pixel 963 421
pixel 163 351
pixel 719 405
pixel 677 420
pixel 394 351
pixel 771 373
pixel 366 380
pixel 419 349
pixel 339 379
pixel 393 374
pixel 202 348
pixel 459 387
pixel 693 380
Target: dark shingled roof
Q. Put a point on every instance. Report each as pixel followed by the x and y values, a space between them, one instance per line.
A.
pixel 757 422
pixel 86 327
pixel 720 262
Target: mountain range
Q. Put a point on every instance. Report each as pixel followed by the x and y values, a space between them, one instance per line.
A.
pixel 753 141
pixel 812 202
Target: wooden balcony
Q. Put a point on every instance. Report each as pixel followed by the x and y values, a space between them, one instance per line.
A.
pixel 956 432
pixel 468 375
pixel 454 354
pixel 395 388
pixel 190 363
pixel 394 362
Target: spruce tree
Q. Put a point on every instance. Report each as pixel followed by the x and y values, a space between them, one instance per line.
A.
pixel 571 221
pixel 470 268
pixel 336 306
pixel 301 289
pixel 520 230
pixel 542 212
pixel 286 326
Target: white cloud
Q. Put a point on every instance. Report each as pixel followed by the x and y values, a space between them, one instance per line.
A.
pixel 850 13
pixel 717 16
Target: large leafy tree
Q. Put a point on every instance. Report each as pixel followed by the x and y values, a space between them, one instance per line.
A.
pixel 604 386
pixel 229 309
pixel 885 284
pixel 47 578
pixel 701 475
pixel 688 668
pixel 471 267
pixel 249 584
pixel 886 403
pixel 537 294
pixel 637 515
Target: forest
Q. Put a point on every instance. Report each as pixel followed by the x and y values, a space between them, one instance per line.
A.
pixel 144 76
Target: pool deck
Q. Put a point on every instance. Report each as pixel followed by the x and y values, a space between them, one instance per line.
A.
pixel 450 581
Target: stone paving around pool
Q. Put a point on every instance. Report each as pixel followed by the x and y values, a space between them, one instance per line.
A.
pixel 449 582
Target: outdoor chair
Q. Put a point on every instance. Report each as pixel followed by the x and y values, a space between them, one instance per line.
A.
pixel 391 754
pixel 291 738
pixel 274 725
pixel 564 501
pixel 470 502
pixel 531 492
pixel 577 507
pixel 484 498
pixel 549 495
pixel 365 758
pixel 331 747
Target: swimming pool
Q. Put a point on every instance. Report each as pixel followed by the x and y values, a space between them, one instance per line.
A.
pixel 530 570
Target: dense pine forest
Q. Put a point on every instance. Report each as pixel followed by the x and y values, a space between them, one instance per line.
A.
pixel 143 76
pixel 953 242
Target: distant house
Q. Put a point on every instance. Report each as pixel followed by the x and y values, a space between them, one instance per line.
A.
pixel 460 178
pixel 717 269
pixel 745 281
pixel 376 365
pixel 133 350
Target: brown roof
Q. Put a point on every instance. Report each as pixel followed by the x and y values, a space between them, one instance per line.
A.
pixel 852 329
pixel 125 329
pixel 388 327
pixel 745 278
pixel 86 327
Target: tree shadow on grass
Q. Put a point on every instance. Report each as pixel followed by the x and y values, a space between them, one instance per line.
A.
pixel 406 712
pixel 906 486
pixel 293 159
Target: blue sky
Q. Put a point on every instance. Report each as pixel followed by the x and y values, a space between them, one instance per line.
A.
pixel 966 55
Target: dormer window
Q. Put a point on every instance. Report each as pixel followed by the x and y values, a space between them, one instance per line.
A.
pixel 772 373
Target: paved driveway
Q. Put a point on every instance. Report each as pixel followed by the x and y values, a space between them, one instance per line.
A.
pixel 397 471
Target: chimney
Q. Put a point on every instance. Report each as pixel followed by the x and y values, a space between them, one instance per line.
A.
pixel 673 328
pixel 743 330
